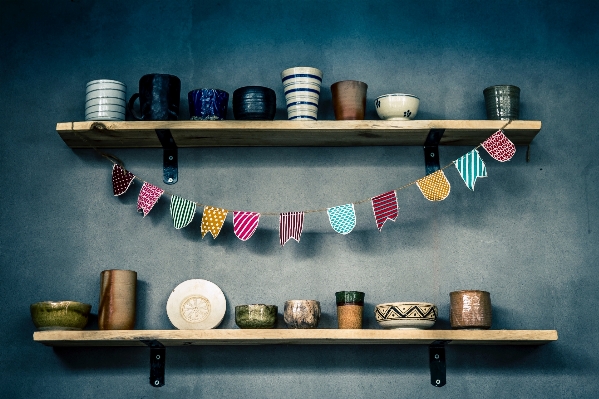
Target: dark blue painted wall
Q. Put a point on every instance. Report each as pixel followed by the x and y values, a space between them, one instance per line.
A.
pixel 528 234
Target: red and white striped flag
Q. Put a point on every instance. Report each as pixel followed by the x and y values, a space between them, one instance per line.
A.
pixel 385 207
pixel 245 224
pixel 290 226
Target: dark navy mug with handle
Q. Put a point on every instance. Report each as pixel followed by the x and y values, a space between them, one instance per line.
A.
pixel 159 98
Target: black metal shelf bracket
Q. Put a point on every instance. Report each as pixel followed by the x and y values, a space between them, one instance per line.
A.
pixel 170 156
pixel 436 353
pixel 431 150
pixel 157 362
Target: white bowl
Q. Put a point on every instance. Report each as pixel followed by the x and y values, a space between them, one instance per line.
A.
pixel 397 107
pixel 406 315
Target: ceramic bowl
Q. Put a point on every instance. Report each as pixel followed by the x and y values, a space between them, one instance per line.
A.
pixel 256 316
pixel 59 315
pixel 254 103
pixel 406 315
pixel 302 313
pixel 397 107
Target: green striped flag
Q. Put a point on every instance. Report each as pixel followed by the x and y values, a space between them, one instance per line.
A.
pixel 182 211
pixel 470 167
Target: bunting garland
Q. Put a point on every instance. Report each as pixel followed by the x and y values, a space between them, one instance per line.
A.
pixel 471 167
pixel 434 187
pixel 182 211
pixel 245 224
pixel 291 225
pixel 385 207
pixel 342 218
pixel 148 196
pixel 213 220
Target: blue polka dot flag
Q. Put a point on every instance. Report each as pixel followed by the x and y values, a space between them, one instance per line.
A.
pixel 342 218
pixel 471 166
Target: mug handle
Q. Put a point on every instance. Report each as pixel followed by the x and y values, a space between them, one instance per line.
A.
pixel 131 107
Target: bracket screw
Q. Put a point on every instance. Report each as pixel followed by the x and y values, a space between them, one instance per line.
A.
pixel 157 357
pixel 157 382
pixel 437 356
pixel 170 158
pixel 170 179
pixel 432 154
pixel 437 382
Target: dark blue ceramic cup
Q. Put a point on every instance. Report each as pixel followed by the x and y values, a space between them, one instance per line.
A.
pixel 208 104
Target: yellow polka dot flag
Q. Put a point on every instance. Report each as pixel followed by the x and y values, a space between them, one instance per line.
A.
pixel 212 220
pixel 434 187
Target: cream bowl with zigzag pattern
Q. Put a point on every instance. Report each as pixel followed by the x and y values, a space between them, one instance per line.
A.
pixel 406 315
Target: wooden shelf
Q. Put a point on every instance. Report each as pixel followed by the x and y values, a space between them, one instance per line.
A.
pixel 283 336
pixel 289 133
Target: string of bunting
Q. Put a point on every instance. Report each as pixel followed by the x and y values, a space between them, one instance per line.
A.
pixel 434 187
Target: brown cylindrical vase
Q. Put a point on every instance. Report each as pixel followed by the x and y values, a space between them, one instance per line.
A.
pixel 349 99
pixel 350 307
pixel 117 300
pixel 470 309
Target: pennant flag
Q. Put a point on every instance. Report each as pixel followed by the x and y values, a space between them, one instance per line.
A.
pixel 470 167
pixel 385 207
pixel 121 180
pixel 182 211
pixel 434 187
pixel 499 146
pixel 245 224
pixel 148 196
pixel 342 218
pixel 290 226
pixel 212 220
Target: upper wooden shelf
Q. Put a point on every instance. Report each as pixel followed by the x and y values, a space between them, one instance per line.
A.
pixel 283 336
pixel 289 133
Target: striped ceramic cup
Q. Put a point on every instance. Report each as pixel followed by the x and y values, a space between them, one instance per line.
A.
pixel 105 100
pixel 302 92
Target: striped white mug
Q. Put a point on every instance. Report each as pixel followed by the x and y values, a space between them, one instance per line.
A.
pixel 301 86
pixel 105 100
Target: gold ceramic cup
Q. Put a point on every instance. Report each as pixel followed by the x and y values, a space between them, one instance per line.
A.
pixel 470 309
pixel 117 300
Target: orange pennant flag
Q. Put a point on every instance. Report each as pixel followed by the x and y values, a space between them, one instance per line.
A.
pixel 434 187
pixel 213 220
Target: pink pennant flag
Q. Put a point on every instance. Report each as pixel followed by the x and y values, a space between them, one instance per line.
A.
pixel 148 196
pixel 290 226
pixel 121 180
pixel 245 224
pixel 499 146
pixel 385 207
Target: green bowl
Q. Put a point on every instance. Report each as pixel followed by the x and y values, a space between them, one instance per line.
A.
pixel 60 315
pixel 256 316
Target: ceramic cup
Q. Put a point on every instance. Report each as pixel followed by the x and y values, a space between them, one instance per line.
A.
pixel 158 98
pixel 301 86
pixel 105 100
pixel 302 313
pixel 502 102
pixel 254 103
pixel 349 99
pixel 208 104
pixel 350 307
pixel 117 300
pixel 470 309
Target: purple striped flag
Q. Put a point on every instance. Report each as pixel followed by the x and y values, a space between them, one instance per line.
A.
pixel 290 226
pixel 385 207
pixel 245 224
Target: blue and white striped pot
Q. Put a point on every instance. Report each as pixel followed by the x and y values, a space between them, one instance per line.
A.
pixel 301 86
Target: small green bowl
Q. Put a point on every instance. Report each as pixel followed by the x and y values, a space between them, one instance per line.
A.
pixel 256 316
pixel 60 315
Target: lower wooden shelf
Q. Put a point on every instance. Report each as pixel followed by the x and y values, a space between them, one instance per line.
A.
pixel 284 336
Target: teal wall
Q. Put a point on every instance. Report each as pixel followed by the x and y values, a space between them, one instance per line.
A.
pixel 528 233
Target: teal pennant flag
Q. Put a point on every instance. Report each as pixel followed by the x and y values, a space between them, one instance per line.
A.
pixel 342 218
pixel 470 167
pixel 182 211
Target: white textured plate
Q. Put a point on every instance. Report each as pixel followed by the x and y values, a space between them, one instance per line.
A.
pixel 196 305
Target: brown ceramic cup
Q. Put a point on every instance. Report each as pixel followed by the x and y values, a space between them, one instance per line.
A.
pixel 117 300
pixel 470 309
pixel 302 313
pixel 349 99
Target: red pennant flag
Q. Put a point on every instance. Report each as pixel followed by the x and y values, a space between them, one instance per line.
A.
pixel 385 207
pixel 245 224
pixel 121 180
pixel 290 226
pixel 148 196
pixel 499 146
